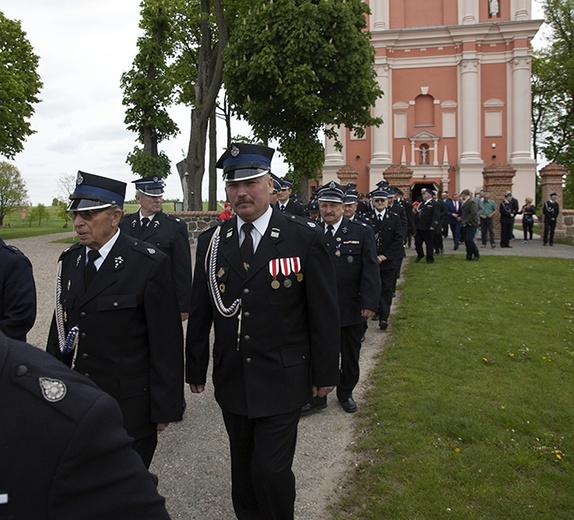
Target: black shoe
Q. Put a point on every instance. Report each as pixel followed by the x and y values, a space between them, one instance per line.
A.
pixel 430 260
pixel 313 406
pixel 475 259
pixel 349 405
pixel 383 324
pixel 419 258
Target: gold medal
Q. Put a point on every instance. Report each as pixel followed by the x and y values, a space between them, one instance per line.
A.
pixel 275 284
pixel 337 253
pixel 221 287
pixel 287 283
pixel 299 277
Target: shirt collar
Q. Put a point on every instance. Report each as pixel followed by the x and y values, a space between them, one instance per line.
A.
pixel 106 248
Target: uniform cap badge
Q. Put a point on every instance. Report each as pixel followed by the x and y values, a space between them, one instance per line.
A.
pixel 234 151
pixel 53 390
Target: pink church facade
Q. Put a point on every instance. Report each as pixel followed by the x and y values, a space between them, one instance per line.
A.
pixel 456 78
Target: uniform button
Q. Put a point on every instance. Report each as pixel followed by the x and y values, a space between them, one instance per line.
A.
pixel 246 338
pixel 248 360
pixel 246 291
pixel 87 374
pixel 82 314
pixel 21 370
pixel 246 314
pixel 116 304
pixel 85 356
pixel 83 335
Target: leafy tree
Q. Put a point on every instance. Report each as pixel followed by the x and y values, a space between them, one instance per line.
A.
pixel 13 194
pixel 20 86
pixel 148 91
pixel 296 66
pixel 553 92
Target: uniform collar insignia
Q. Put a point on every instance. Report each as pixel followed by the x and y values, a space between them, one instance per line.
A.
pixel 118 262
pixel 78 260
pixel 229 233
pixel 53 390
pixel 275 232
pixel 156 223
pixel 345 230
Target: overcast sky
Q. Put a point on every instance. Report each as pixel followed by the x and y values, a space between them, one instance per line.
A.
pixel 84 47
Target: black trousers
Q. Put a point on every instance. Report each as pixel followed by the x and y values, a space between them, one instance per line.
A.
pixel 388 284
pixel 425 237
pixel 262 451
pixel 505 233
pixel 549 227
pixel 145 448
pixel 350 351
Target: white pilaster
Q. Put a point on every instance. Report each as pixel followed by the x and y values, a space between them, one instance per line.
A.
pixel 520 99
pixel 470 110
pixel 468 12
pixel 379 15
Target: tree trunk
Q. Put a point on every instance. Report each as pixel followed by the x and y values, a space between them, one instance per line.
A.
pixel 208 84
pixel 212 201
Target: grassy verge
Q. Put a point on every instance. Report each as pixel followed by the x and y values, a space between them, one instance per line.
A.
pixel 470 415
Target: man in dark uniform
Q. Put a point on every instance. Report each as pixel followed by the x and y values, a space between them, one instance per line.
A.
pixel 389 246
pixel 427 221
pixel 409 212
pixel 17 293
pixel 551 210
pixel 507 215
pixel 352 249
pixel 265 280
pixel 350 208
pixel 117 318
pixel 453 207
pixel 64 451
pixel 285 202
pixel 166 232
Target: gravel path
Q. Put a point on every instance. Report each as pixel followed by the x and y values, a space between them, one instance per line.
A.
pixel 192 460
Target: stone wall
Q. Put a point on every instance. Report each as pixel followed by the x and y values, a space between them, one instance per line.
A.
pixel 197 222
pixel 567 225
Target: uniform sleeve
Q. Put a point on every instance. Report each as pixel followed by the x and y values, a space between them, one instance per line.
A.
pixel 181 265
pixel 19 297
pixel 323 314
pixel 165 338
pixel 370 274
pixel 200 319
pixel 100 475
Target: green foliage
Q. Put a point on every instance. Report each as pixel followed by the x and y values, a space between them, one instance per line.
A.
pixel 148 88
pixel 13 194
pixel 470 411
pixel 20 86
pixel 293 67
pixel 553 91
pixel 145 165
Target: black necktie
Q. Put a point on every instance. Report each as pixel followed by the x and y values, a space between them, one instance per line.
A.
pixel 246 248
pixel 145 222
pixel 90 270
pixel 329 234
pixel 282 208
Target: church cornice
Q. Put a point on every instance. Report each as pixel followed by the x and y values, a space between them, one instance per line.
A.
pixel 455 35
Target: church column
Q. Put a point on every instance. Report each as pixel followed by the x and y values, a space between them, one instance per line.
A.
pixel 468 12
pixel 470 113
pixel 379 14
pixel 520 97
pixel 381 136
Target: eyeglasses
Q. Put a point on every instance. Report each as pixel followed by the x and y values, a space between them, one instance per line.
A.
pixel 88 214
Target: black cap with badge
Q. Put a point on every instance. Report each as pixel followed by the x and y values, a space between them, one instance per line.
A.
pixel 95 192
pixel 152 186
pixel 332 192
pixel 243 161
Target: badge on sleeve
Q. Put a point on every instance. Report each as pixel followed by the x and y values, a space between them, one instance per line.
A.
pixel 53 390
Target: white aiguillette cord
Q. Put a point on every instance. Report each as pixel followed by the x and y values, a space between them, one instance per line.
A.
pixel 210 266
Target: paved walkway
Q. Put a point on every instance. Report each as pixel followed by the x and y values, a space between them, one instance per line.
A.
pixel 192 459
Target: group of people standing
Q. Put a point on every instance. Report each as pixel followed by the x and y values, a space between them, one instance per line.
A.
pixel 280 300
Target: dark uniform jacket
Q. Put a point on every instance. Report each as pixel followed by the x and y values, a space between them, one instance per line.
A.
pixel 130 340
pixel 389 239
pixel 292 208
pixel 169 234
pixel 507 212
pixel 63 450
pixel 17 293
pixel 289 336
pixel 551 210
pixel 428 215
pixel 357 270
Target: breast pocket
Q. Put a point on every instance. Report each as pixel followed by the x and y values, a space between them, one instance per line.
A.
pixel 116 302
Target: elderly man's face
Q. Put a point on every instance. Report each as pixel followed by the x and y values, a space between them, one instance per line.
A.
pixel 349 209
pixel 94 228
pixel 331 212
pixel 380 203
pixel 149 205
pixel 250 198
pixel 283 195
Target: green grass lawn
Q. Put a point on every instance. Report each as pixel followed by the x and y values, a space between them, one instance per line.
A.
pixel 471 412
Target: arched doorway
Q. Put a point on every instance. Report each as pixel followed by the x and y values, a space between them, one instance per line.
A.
pixel 417 187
